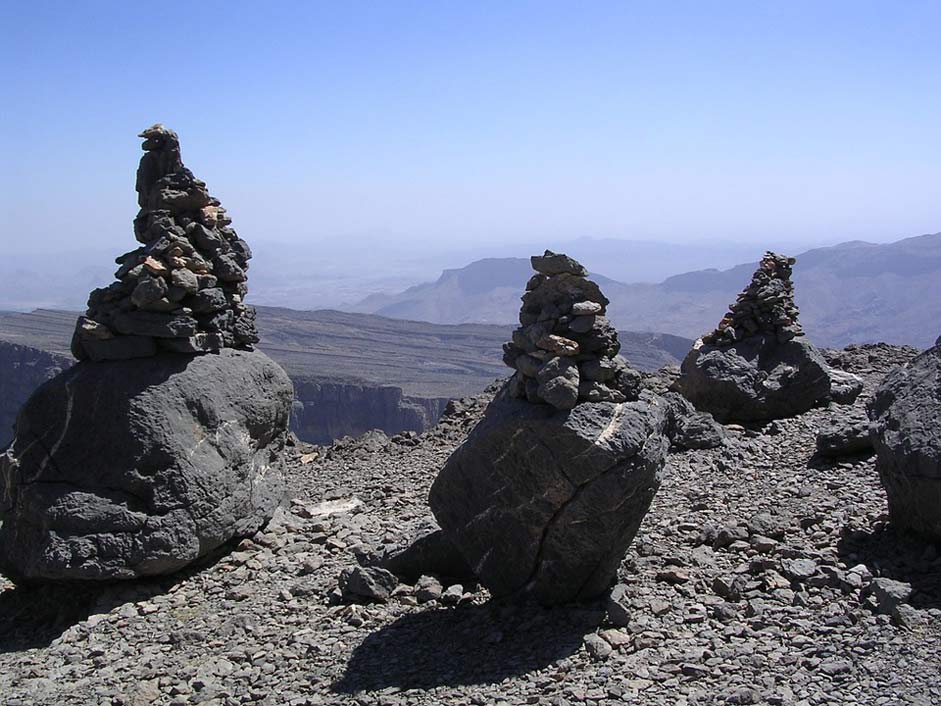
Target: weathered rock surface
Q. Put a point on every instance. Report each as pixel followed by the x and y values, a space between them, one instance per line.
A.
pixel 545 503
pixel 756 366
pixel 906 415
pixel 690 428
pixel 755 379
pixel 845 435
pixel 140 467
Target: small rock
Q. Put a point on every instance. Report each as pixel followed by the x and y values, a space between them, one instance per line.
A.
pixel 366 584
pixel 453 595
pixel 836 666
pixel 598 648
pixel 743 697
pixel 619 611
pixel 428 588
pixel 889 593
pixel 673 576
pixel 799 569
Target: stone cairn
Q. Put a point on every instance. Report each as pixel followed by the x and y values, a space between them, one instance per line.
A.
pixel 565 350
pixel 183 289
pixel 766 306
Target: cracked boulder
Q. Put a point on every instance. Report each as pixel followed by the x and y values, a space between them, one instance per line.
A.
pixel 906 422
pixel 544 503
pixel 139 467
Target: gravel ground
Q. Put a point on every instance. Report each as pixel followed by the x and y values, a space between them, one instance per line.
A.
pixel 761 575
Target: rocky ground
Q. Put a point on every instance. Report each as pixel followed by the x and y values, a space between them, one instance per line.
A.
pixel 761 575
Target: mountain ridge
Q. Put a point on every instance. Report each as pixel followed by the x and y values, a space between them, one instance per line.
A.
pixel 851 292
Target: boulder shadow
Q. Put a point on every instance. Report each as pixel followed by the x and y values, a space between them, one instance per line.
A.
pixel 474 644
pixel 897 554
pixel 820 462
pixel 34 615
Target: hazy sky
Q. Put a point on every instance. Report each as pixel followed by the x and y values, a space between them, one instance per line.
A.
pixel 479 121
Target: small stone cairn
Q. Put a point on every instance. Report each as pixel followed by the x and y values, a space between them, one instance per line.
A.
pixel 183 289
pixel 766 306
pixel 565 350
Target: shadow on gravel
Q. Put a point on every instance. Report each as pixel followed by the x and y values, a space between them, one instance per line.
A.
pixel 34 615
pixel 479 644
pixel 897 555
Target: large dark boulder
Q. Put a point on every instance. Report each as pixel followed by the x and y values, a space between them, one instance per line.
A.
pixel 906 416
pixel 139 467
pixel 760 378
pixel 544 503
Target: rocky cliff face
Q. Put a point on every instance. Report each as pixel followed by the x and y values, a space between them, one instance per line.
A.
pixel 324 411
pixel 22 370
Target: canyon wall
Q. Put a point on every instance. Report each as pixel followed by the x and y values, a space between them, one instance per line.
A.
pixel 325 410
pixel 22 370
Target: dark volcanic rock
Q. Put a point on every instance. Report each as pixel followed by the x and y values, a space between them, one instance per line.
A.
pixel 369 584
pixel 545 503
pixel 845 435
pixel 906 415
pixel 431 553
pixel 755 379
pixel 691 429
pixel 139 467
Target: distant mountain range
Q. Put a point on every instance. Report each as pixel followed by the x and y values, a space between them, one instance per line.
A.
pixel 333 272
pixel 855 292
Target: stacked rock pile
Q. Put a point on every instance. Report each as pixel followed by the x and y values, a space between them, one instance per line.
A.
pixel 195 443
pixel 766 306
pixel 565 350
pixel 757 365
pixel 547 491
pixel 183 289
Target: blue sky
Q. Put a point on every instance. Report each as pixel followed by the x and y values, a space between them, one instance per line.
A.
pixel 479 122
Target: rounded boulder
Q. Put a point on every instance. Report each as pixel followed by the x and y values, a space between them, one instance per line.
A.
pixel 139 467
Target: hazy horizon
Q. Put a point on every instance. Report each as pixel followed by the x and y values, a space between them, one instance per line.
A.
pixel 489 125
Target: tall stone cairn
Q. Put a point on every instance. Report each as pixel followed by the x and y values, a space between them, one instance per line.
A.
pixel 565 350
pixel 183 289
pixel 766 306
